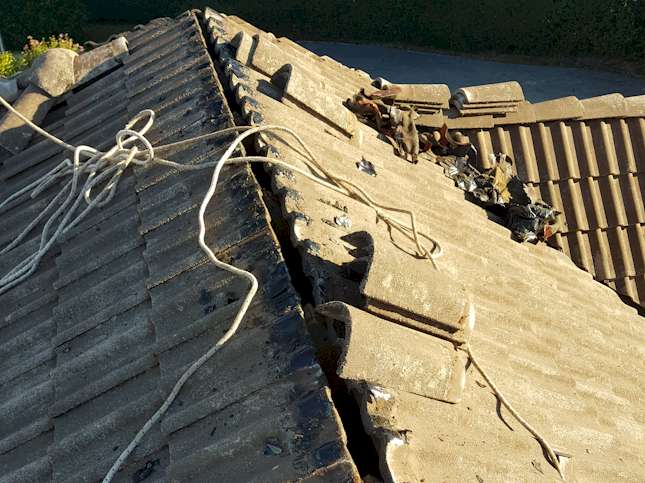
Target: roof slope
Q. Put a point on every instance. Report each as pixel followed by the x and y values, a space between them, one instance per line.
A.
pixel 93 342
pixel 587 160
pixel 565 349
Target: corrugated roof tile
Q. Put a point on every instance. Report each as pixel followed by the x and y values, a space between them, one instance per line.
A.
pixel 91 350
pixel 544 327
pixel 589 169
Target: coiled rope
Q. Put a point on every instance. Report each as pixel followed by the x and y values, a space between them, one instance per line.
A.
pixel 94 170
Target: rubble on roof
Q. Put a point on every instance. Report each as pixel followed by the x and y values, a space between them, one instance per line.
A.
pixel 396 123
pixel 392 111
pixel 501 191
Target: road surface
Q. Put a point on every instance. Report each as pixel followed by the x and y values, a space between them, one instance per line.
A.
pixel 539 82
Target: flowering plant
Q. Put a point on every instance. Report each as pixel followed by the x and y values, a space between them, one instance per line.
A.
pixel 11 63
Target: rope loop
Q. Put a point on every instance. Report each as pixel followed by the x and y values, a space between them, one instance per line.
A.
pixel 126 137
pixel 149 113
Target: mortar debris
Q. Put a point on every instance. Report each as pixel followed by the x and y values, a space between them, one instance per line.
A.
pixel 503 193
pixel 395 123
pixel 366 166
pixel 496 188
pixel 344 221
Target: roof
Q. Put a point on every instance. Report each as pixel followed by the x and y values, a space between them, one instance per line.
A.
pixel 586 159
pixel 566 350
pixel 93 342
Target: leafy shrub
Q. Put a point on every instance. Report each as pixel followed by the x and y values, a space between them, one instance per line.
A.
pixel 10 63
pixel 7 64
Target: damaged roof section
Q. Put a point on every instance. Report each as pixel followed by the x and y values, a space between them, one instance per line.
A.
pixel 92 344
pixel 564 348
pixel 586 160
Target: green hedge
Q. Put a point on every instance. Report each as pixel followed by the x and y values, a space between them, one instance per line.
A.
pixel 39 18
pixel 554 28
pixel 599 28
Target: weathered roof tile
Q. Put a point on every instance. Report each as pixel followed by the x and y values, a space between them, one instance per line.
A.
pixel 542 324
pixel 95 339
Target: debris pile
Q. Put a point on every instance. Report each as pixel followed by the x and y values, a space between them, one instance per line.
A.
pixel 392 110
pixel 395 123
pixel 501 191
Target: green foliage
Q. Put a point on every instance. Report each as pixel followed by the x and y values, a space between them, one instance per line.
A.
pixel 35 48
pixel 11 63
pixel 7 64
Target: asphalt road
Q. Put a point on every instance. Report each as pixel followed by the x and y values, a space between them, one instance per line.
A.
pixel 540 83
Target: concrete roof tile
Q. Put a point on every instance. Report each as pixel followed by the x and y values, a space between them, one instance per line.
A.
pixel 96 339
pixel 542 324
pixel 92 357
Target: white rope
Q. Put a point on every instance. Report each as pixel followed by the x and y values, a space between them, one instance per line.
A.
pixel 103 171
pixel 551 452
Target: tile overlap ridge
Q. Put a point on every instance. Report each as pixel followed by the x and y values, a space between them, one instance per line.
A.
pixel 112 164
